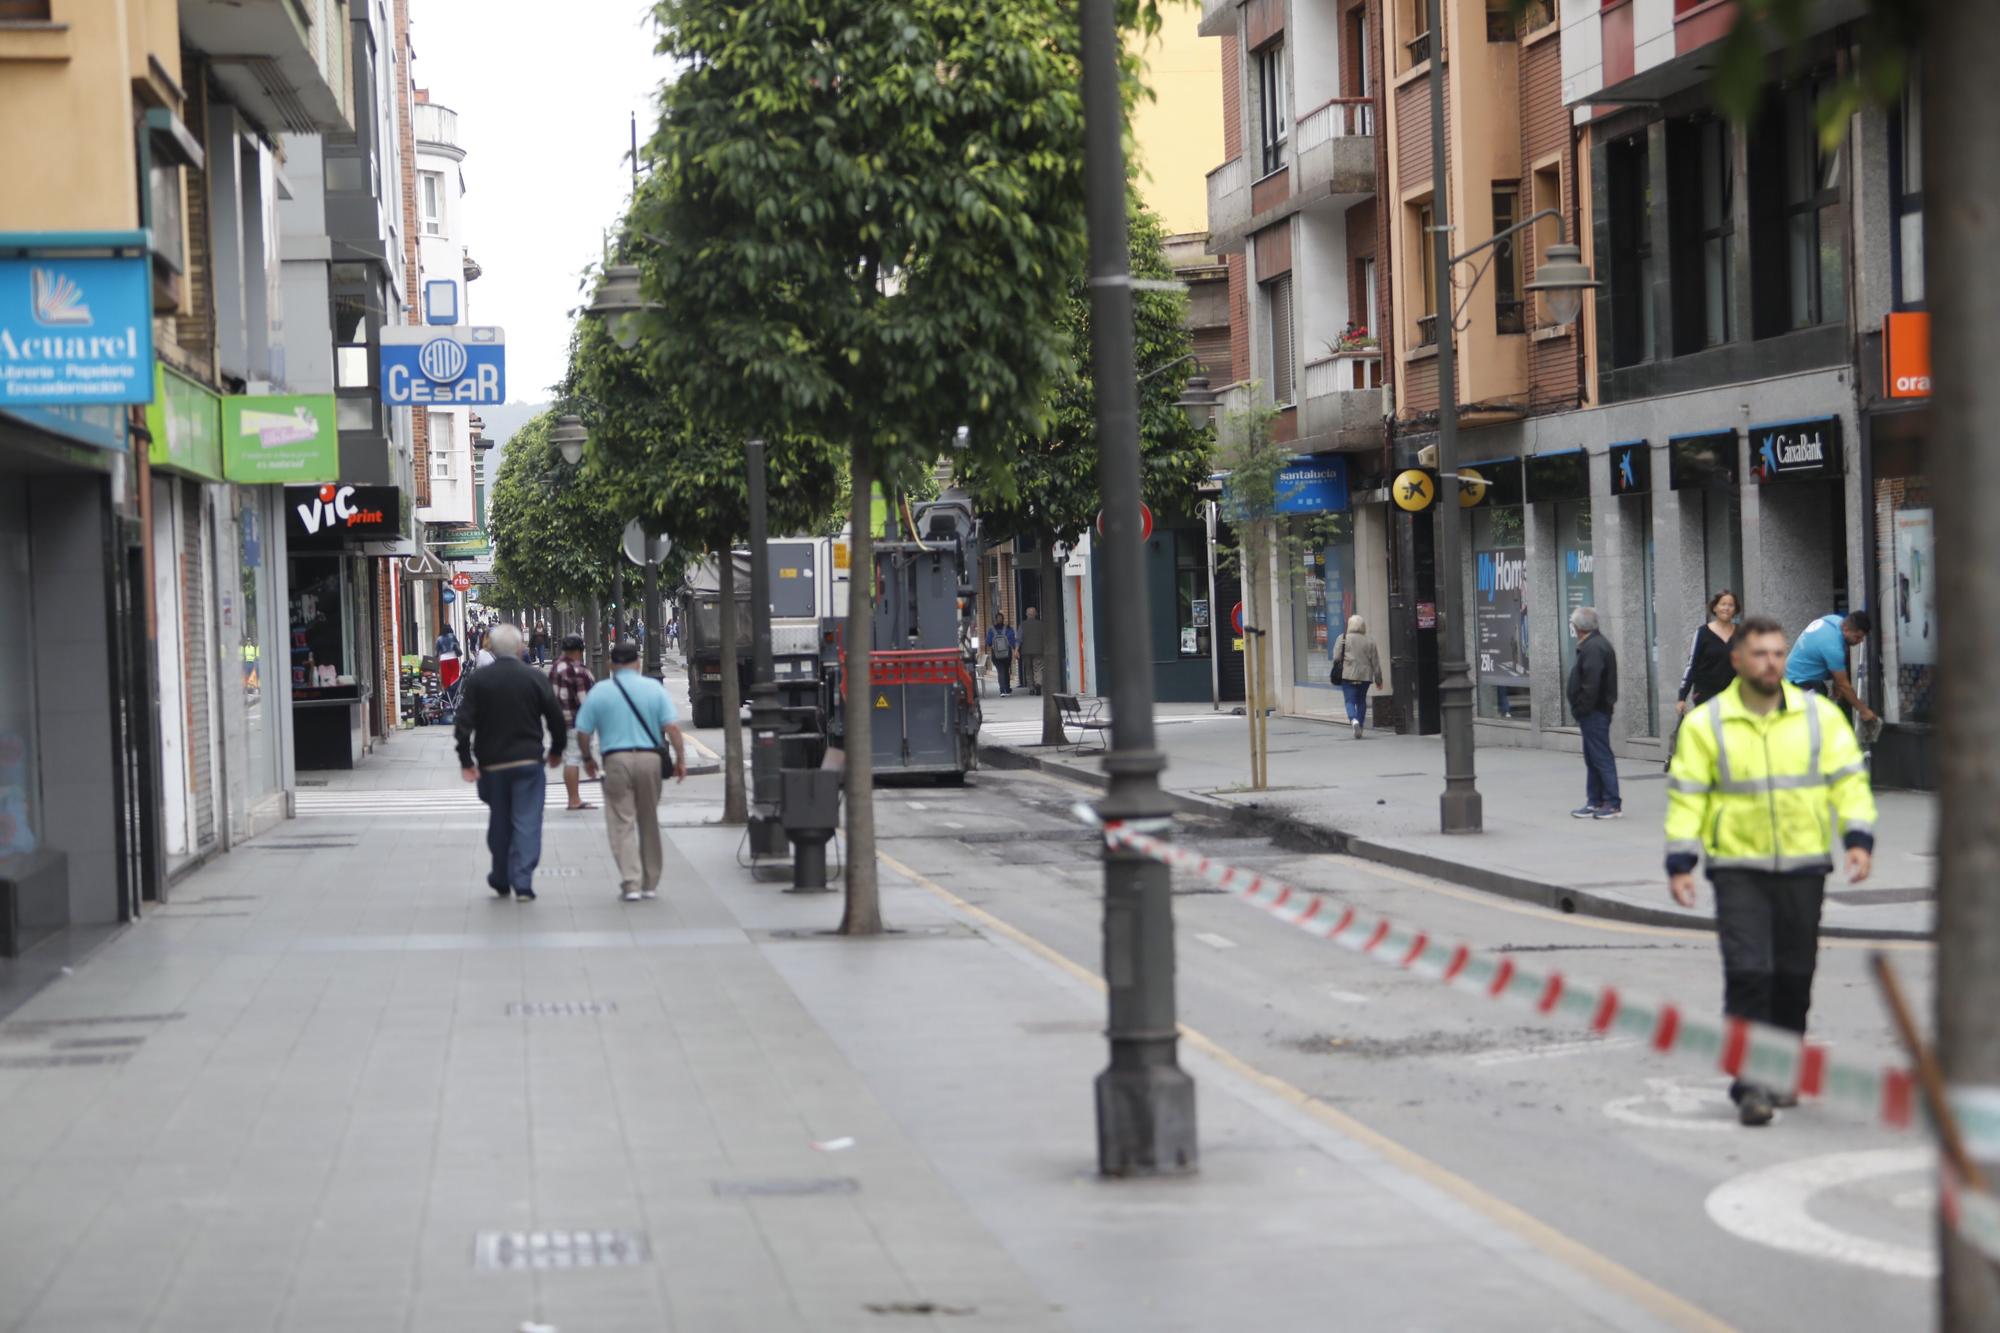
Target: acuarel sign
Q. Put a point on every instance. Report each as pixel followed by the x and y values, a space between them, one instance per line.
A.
pixel 75 331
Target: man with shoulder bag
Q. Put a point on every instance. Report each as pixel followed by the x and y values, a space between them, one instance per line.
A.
pixel 630 714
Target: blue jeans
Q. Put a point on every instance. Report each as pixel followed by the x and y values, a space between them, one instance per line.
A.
pixel 1601 785
pixel 513 799
pixel 1357 699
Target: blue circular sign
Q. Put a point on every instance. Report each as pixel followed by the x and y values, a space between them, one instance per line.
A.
pixel 442 360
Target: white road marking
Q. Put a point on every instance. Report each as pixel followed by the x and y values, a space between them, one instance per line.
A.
pixel 1689 1107
pixel 1774 1207
pixel 1553 1050
pixel 918 805
pixel 1215 941
pixel 1346 996
pixel 952 823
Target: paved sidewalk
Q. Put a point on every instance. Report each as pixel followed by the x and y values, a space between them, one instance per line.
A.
pixel 1378 797
pixel 306 1096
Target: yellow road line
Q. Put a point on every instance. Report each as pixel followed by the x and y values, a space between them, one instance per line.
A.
pixel 1606 1271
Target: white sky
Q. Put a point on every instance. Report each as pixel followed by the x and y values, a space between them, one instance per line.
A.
pixel 544 96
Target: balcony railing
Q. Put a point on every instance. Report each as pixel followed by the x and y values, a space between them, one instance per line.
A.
pixel 1344 372
pixel 1218 17
pixel 434 124
pixel 1343 402
pixel 1341 118
pixel 1427 330
pixel 1419 48
pixel 1229 204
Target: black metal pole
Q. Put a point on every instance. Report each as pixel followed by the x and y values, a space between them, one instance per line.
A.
pixel 1459 808
pixel 1145 1100
pixel 652 653
pixel 767 834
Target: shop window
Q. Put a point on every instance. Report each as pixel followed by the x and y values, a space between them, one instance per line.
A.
pixel 1283 339
pixel 1798 235
pixel 1320 562
pixel 1576 585
pixel 1508 313
pixel 1908 193
pixel 1701 192
pixel 1426 268
pixel 1274 106
pixel 1903 508
pixel 1629 214
pixel 1193 615
pixel 1500 612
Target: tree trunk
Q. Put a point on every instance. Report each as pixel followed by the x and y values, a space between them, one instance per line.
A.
pixel 1962 240
pixel 864 898
pixel 1052 679
pixel 1253 648
pixel 735 805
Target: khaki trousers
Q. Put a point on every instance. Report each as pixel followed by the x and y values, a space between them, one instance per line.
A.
pixel 632 817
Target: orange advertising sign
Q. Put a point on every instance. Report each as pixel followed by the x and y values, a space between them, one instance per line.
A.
pixel 1906 354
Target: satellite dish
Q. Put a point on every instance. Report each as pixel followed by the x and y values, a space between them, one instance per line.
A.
pixel 635 544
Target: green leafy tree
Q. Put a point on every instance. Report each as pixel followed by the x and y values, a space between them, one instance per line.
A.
pixel 554 530
pixel 658 464
pixel 1255 460
pixel 863 211
pixel 1044 486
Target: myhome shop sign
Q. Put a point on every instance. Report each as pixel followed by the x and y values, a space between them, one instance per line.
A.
pixel 1787 449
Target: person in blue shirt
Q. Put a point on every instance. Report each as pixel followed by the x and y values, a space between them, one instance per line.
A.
pixel 1819 659
pixel 629 714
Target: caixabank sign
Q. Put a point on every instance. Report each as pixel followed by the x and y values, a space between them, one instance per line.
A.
pixel 455 365
pixel 1785 450
pixel 74 330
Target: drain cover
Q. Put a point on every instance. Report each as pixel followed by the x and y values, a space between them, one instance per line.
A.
pixel 562 1009
pixel 785 1187
pixel 501 1250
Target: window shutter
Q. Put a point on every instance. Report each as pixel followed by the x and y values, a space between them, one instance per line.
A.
pixel 1283 351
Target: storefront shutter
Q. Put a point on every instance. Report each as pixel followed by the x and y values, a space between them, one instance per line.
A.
pixel 199 660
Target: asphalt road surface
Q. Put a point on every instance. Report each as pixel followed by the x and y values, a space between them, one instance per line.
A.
pixel 1820 1221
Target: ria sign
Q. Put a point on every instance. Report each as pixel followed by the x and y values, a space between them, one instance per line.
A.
pixel 462 365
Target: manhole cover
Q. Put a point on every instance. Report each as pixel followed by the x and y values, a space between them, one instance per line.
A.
pixel 562 1009
pixel 502 1250
pixel 785 1187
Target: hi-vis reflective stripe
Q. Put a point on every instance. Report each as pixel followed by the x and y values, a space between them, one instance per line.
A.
pixel 1777 1059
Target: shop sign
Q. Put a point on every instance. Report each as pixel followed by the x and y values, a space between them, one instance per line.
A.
pixel 1316 484
pixel 1559 476
pixel 1413 490
pixel 185 420
pixel 1500 615
pixel 1703 462
pixel 1631 468
pixel 1496 481
pixel 1788 449
pixel 1906 354
pixel 334 517
pixel 75 330
pixel 280 438
pixel 1916 589
pixel 459 364
pixel 102 426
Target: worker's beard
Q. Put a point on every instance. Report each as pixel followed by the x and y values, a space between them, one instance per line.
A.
pixel 1761 690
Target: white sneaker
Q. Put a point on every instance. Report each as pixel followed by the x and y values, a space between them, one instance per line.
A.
pixel 1357 731
pixel 629 896
pixel 649 893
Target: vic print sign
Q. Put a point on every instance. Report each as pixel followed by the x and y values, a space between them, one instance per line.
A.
pixel 75 331
pixel 457 364
pixel 333 516
pixel 1788 449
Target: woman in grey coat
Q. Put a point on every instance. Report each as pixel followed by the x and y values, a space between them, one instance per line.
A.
pixel 1356 666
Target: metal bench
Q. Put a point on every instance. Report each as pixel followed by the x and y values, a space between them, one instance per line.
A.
pixel 1087 716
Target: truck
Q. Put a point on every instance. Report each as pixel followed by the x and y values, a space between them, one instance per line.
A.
pixel 802 597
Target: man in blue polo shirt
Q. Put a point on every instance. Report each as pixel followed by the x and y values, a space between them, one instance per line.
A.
pixel 629 714
pixel 1819 659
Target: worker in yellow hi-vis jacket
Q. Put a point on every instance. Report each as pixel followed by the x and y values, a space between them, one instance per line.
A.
pixel 1766 780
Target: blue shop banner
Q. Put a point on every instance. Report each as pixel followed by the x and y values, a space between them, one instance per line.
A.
pixel 75 331
pixel 1315 484
pixel 460 365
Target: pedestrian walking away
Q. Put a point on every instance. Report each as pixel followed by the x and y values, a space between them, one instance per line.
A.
pixel 1357 666
pixel 1593 696
pixel 1032 633
pixel 572 681
pixel 501 746
pixel 1709 671
pixel 1001 641
pixel 1767 778
pixel 632 717
pixel 1818 661
pixel 447 653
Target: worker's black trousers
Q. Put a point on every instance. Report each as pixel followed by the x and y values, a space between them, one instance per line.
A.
pixel 1769 928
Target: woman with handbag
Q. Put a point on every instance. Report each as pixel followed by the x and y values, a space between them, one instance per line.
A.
pixel 1709 670
pixel 1357 666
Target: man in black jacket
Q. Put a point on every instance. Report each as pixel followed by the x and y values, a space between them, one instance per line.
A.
pixel 1593 694
pixel 501 747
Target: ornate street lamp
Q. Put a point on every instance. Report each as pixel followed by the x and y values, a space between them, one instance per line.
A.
pixel 1198 400
pixel 570 437
pixel 618 301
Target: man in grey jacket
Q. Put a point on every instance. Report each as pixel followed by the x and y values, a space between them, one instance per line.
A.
pixel 1593 694
pixel 1031 649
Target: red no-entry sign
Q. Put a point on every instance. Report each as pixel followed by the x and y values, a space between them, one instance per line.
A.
pixel 1236 618
pixel 1145 522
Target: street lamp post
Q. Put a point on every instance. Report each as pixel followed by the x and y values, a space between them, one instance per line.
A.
pixel 1145 1100
pixel 767 832
pixel 1562 279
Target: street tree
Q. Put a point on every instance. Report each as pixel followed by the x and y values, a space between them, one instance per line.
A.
pixel 1255 460
pixel 657 463
pixel 863 216
pixel 1043 486
pixel 555 534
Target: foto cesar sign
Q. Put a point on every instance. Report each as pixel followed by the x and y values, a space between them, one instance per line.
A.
pixel 280 438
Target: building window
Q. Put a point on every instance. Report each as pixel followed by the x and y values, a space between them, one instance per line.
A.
pixel 1908 197
pixel 1798 237
pixel 1274 104
pixel 430 201
pixel 1508 316
pixel 441 469
pixel 24 11
pixel 1413 31
pixel 1355 49
pixel 1629 182
pixel 1284 345
pixel 1547 187
pixel 1701 200
pixel 1500 21
pixel 1426 267
pixel 1319 554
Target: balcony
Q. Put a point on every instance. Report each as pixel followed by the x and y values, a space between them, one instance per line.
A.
pixel 1218 17
pixel 1336 146
pixel 1229 205
pixel 284 63
pixel 435 129
pixel 1343 404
